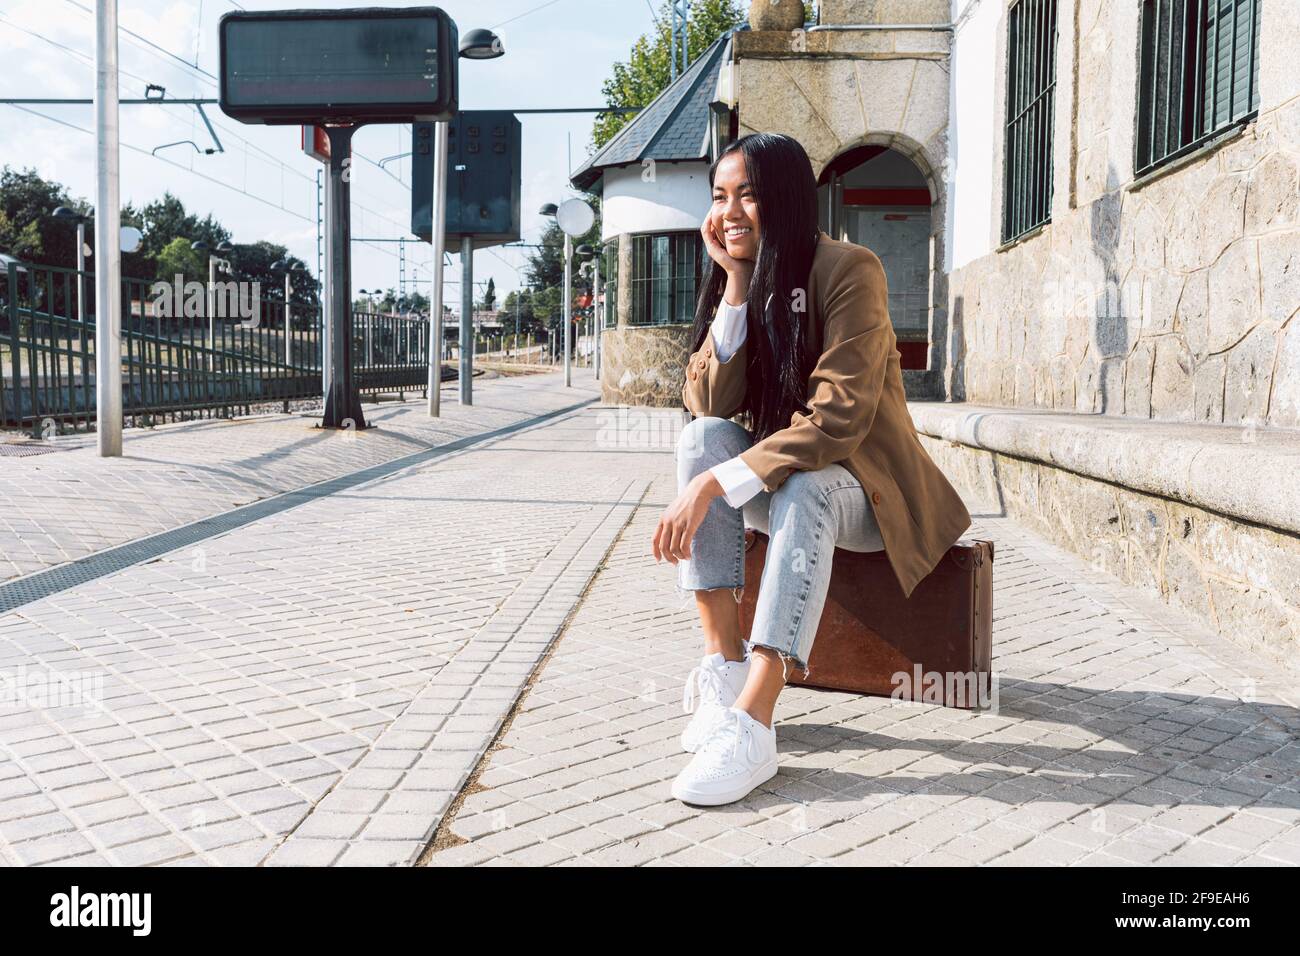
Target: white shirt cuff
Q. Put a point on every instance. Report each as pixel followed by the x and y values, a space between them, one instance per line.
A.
pixel 739 483
pixel 728 329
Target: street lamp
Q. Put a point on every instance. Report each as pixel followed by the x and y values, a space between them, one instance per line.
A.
pixel 65 214
pixel 224 248
pixel 476 44
pixel 575 218
pixel 481 44
pixel 370 319
pixel 288 268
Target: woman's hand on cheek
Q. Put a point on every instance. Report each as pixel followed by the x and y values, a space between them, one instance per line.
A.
pixel 718 252
pixel 682 518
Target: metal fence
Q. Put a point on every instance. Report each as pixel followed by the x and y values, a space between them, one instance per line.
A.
pixel 184 355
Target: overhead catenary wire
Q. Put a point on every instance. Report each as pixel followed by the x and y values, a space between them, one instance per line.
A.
pixel 206 77
pixel 226 185
pixel 248 145
pixel 548 3
pixel 196 72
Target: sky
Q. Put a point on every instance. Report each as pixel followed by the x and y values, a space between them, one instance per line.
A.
pixel 558 53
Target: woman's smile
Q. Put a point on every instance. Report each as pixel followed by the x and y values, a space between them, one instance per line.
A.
pixel 735 208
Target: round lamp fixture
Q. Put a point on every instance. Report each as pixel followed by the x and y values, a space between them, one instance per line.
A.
pixel 575 217
pixel 481 45
pixel 129 237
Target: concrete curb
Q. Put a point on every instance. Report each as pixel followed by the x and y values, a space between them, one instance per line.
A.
pixel 1239 471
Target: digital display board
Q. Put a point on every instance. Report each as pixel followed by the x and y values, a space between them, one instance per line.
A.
pixel 375 64
pixel 484 149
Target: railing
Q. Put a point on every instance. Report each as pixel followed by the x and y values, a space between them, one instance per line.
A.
pixel 183 355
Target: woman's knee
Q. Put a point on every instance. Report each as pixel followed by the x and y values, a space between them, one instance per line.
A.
pixel 814 485
pixel 799 489
pixel 703 434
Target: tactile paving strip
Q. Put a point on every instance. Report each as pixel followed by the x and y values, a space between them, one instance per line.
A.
pixel 33 587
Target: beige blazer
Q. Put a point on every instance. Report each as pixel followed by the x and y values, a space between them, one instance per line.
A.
pixel 858 412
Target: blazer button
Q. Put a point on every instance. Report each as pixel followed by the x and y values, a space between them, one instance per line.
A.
pixel 875 497
pixel 709 352
pixel 702 364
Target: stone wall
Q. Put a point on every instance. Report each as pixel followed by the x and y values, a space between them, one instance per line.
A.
pixel 1241 579
pixel 1172 297
pixel 883 11
pixel 644 365
pixel 835 91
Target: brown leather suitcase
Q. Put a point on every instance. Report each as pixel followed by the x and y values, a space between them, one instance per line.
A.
pixel 934 647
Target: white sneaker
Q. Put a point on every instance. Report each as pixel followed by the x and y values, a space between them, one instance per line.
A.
pixel 736 757
pixel 710 689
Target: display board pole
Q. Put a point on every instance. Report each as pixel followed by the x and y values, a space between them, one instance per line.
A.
pixel 439 240
pixel 342 400
pixel 466 371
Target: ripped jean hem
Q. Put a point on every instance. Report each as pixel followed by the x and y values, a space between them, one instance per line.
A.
pixel 789 659
pixel 737 590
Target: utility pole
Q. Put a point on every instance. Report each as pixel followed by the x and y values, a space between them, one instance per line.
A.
pixel 680 11
pixel 108 215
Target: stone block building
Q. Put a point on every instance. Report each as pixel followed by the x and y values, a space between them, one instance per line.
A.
pixel 1087 211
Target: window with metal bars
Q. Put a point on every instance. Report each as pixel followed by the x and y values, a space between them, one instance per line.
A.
pixel 1199 74
pixel 609 284
pixel 665 277
pixel 1031 103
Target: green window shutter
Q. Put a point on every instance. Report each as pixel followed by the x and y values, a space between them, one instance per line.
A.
pixel 1030 116
pixel 1198 73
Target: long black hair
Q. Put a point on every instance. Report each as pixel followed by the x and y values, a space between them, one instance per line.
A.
pixel 778 363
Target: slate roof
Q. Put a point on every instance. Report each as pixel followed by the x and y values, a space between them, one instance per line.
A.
pixel 674 127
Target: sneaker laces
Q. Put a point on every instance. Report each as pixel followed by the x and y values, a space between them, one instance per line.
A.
pixel 727 731
pixel 707 681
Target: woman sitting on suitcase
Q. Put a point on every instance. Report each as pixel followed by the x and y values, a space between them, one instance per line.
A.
pixel 830 458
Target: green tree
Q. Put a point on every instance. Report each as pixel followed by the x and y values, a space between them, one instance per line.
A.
pixel 177 258
pixel 489 302
pixel 648 70
pixel 165 220
pixel 27 230
pixel 546 263
pixel 546 271
pixel 518 306
pixel 252 263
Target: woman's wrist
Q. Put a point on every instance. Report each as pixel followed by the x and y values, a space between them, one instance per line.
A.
pixel 737 289
pixel 707 484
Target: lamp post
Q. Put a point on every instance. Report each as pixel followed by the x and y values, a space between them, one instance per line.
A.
pixel 575 218
pixel 71 215
pixel 224 248
pixel 288 268
pixel 370 308
pixel 478 44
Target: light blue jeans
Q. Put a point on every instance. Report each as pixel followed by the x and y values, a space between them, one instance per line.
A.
pixel 806 519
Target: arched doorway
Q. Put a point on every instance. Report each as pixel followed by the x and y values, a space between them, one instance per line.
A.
pixel 876 197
